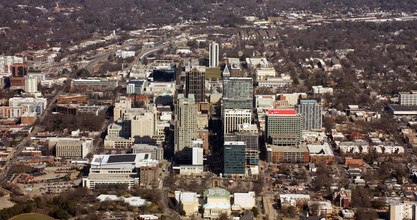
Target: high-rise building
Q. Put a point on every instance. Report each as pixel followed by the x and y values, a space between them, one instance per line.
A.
pixel 237 93
pixel 408 98
pixel 185 130
pixel 195 84
pixel 73 148
pixel 310 110
pixel 251 141
pixel 233 118
pixel 234 157
pixel 31 84
pixel 214 55
pixel 120 107
pixel 148 176
pixel 283 127
pixel 142 124
pixel 402 210
pixel 19 71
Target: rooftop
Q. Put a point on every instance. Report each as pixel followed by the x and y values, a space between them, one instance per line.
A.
pixel 216 192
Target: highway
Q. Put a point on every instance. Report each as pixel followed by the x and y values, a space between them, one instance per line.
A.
pixel 145 52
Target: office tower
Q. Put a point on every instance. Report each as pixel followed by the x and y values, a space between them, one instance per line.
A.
pixel 237 93
pixel 142 124
pixel 195 84
pixel 233 118
pixel 214 55
pixel 251 141
pixel 234 157
pixel 310 110
pixel 31 84
pixel 185 130
pixel 283 127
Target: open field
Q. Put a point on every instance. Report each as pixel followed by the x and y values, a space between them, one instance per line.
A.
pixel 213 73
pixel 32 216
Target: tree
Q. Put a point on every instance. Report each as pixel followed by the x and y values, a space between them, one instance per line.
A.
pixel 59 213
pixel 255 211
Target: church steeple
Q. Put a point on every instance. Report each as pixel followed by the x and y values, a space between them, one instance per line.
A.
pixel 226 72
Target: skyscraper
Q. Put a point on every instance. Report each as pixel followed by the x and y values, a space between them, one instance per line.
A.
pixel 195 84
pixel 251 145
pixel 283 127
pixel 311 112
pixel 185 130
pixel 234 157
pixel 233 118
pixel 214 55
pixel 237 93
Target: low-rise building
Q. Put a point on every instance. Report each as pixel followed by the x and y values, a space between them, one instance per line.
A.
pixel 320 154
pixel 244 201
pixel 187 203
pixel 293 199
pixel 118 169
pixel 157 153
pixel 287 154
pixel 217 202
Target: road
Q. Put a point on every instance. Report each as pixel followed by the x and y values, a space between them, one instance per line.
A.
pixel 141 55
pixel 100 57
pixel 26 140
pixel 163 204
pixel 268 206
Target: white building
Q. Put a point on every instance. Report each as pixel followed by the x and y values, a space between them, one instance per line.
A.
pixel 275 82
pixel 322 90
pixel 120 107
pixel 6 62
pixel 142 123
pixel 264 73
pixel 258 62
pixel 187 202
pixel 197 152
pixel 243 201
pixel 403 210
pixel 214 55
pixel 73 148
pixel 116 169
pixel 37 105
pixel 408 98
pixel 125 54
pixel 293 199
pixel 31 84
pixel 233 118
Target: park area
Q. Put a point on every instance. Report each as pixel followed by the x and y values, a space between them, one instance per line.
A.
pixel 32 216
pixel 213 73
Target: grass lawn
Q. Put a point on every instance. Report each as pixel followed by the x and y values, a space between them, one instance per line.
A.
pixel 32 216
pixel 213 73
pixel 153 208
